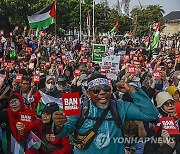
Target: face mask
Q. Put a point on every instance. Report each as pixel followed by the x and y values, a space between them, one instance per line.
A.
pixel 158 86
pixel 37 72
pixel 50 87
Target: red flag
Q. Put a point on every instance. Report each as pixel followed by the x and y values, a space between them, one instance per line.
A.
pixel 53 10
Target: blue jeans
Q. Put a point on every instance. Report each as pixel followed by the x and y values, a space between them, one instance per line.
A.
pixel 138 147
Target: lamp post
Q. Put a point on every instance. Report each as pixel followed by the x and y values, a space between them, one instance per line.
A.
pixel 93 21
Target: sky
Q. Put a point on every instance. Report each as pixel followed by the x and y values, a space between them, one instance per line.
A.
pixel 168 5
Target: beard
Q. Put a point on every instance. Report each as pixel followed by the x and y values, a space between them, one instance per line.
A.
pixel 102 106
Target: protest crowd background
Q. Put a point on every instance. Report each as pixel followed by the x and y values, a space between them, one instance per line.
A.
pixel 39 70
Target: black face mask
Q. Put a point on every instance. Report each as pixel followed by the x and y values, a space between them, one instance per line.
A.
pixel 158 86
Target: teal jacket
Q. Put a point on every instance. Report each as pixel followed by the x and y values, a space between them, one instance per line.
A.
pixel 109 136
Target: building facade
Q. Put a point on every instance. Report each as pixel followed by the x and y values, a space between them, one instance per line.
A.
pixel 172 23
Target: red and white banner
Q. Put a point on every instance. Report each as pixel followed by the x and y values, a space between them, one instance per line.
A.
pixel 148 65
pixel 84 60
pixel 169 124
pixel 157 75
pixel 71 103
pixel 25 118
pixel 36 78
pixel 77 72
pixel 83 48
pixel 132 69
pixel 19 78
pixel 63 57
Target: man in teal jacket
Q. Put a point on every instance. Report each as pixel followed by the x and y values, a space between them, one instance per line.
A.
pixel 106 139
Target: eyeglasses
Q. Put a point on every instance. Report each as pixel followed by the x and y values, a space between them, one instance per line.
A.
pixel 97 89
pixel 168 103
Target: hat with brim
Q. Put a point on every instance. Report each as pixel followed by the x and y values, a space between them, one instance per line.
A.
pixel 162 97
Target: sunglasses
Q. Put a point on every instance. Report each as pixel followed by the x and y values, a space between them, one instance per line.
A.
pixel 169 103
pixel 97 89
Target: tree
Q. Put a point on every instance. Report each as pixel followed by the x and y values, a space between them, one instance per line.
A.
pixel 143 20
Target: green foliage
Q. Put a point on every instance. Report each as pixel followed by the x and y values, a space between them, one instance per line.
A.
pixel 14 12
pixel 143 20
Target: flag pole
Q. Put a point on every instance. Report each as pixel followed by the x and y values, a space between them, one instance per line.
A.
pixel 93 21
pixel 55 21
pixel 80 22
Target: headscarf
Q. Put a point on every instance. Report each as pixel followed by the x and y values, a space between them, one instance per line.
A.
pixel 14 117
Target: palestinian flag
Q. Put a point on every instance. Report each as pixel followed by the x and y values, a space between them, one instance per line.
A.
pixel 115 28
pixel 16 148
pixel 147 43
pixel 33 141
pixel 156 36
pixel 45 98
pixel 128 34
pixel 43 18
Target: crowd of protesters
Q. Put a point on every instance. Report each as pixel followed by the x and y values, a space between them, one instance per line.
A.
pixel 55 60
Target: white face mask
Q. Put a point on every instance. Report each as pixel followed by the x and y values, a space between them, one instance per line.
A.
pixel 37 72
pixel 50 86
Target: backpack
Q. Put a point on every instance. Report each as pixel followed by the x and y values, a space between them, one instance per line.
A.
pixel 83 141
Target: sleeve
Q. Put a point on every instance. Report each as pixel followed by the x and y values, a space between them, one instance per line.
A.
pixel 141 109
pixel 151 148
pixel 68 127
pixel 66 146
pixel 32 127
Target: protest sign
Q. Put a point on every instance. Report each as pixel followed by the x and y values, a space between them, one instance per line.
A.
pixel 71 103
pixel 177 106
pixel 77 72
pixel 9 64
pixel 135 58
pixel 157 75
pixel 83 48
pixel 98 52
pixel 63 57
pixel 158 68
pixel 110 65
pixel 25 118
pixel 169 124
pixel 36 78
pixel 19 78
pixel 84 60
pixel 132 70
pixel 2 78
pixel 148 65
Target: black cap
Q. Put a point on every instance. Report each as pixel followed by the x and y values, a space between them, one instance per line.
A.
pixel 50 107
pixel 61 79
